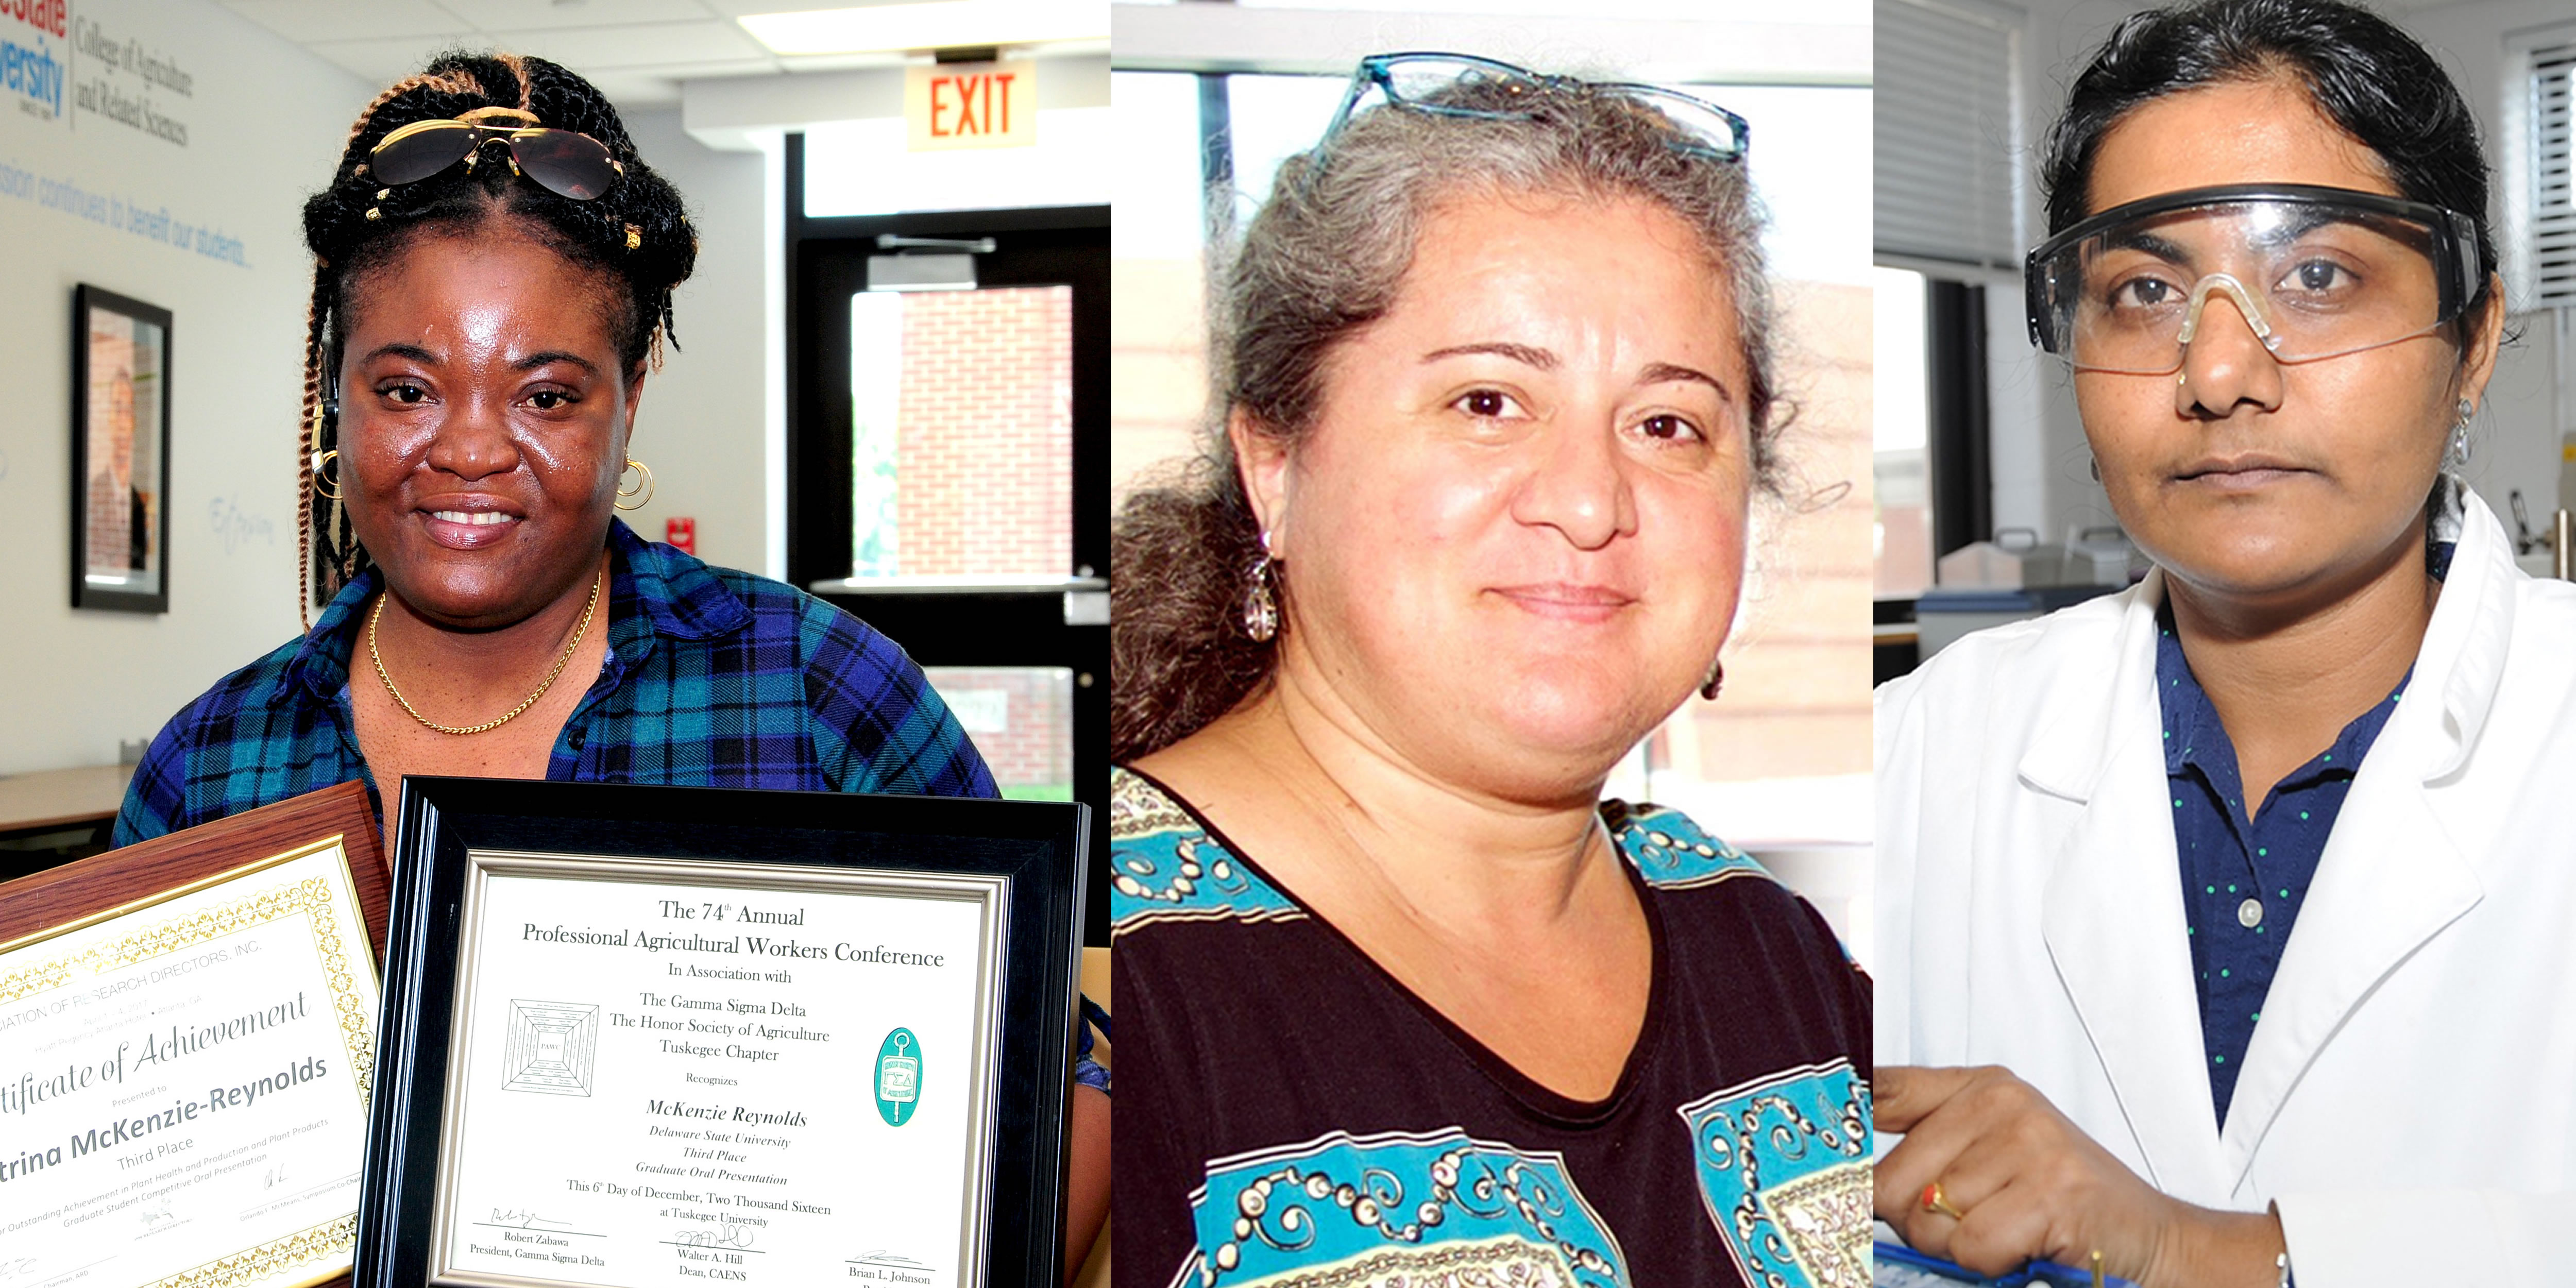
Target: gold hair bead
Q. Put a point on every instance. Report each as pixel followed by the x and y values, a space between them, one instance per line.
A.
pixel 634 237
pixel 382 193
pixel 362 168
pixel 373 213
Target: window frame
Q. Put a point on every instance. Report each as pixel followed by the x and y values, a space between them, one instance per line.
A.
pixel 1013 628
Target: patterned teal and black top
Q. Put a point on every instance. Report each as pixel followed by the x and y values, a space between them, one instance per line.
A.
pixel 1291 1114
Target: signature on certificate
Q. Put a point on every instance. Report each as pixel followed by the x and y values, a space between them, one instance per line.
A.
pixel 522 1219
pixel 732 1236
pixel 17 1269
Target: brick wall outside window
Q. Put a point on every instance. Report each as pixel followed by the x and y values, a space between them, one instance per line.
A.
pixel 984 433
pixel 1033 747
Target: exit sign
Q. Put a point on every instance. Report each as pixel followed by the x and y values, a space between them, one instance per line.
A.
pixel 971 105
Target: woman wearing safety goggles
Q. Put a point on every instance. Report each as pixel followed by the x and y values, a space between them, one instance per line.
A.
pixel 2249 888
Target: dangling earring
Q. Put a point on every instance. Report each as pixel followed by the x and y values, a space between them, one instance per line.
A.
pixel 1716 680
pixel 2459 454
pixel 321 460
pixel 1260 603
pixel 645 487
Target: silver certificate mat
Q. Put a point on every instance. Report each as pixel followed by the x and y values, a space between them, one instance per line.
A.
pixel 628 1044
pixel 554 1059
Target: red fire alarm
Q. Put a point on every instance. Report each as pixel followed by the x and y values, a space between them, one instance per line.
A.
pixel 682 534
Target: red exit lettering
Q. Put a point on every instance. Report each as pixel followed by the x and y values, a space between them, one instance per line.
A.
pixel 983 104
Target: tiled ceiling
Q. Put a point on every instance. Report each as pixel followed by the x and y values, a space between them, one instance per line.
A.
pixel 636 51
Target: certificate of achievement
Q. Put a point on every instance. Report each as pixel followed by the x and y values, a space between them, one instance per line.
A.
pixel 672 1073
pixel 184 1083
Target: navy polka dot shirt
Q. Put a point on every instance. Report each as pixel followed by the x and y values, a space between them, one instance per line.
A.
pixel 2243 880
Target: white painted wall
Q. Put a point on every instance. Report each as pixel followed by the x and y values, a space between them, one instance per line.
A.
pixel 2038 456
pixel 2516 434
pixel 702 420
pixel 264 121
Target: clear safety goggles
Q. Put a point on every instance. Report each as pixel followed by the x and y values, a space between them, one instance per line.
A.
pixel 2315 273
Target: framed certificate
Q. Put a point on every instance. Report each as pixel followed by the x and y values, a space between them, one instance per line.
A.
pixel 646 1035
pixel 187 1039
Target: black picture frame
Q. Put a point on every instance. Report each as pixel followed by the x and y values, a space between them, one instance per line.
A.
pixel 1040 845
pixel 120 561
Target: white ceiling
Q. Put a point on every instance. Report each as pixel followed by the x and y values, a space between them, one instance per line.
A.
pixel 636 51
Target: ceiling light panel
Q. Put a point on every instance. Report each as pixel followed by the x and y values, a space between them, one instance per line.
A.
pixel 638 45
pixel 503 16
pixel 310 20
pixel 938 25
pixel 386 61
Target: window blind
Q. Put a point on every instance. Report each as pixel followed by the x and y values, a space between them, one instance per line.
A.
pixel 1948 142
pixel 2548 201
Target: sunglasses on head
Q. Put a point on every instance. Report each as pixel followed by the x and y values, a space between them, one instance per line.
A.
pixel 564 162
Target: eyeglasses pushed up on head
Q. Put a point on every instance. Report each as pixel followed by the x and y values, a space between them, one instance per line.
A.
pixel 564 162
pixel 1464 85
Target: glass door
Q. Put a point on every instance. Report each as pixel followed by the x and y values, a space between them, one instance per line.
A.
pixel 949 403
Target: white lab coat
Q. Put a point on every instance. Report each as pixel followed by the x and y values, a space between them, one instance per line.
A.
pixel 2409 1098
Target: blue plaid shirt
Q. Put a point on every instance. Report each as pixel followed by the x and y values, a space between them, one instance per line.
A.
pixel 714 678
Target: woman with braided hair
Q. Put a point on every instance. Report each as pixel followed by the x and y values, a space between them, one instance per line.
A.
pixel 493 268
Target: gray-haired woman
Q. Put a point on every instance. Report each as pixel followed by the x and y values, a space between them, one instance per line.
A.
pixel 1404 997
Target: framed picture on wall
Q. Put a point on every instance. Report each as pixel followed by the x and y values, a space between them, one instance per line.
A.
pixel 120 453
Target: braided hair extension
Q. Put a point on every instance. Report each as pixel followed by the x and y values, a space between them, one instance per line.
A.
pixel 635 238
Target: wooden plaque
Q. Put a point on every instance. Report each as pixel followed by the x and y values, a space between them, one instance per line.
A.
pixel 103 883
pixel 128 887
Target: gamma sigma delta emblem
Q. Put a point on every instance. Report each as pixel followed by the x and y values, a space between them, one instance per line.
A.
pixel 898 1076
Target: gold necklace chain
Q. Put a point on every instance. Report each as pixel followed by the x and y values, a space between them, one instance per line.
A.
pixel 375 619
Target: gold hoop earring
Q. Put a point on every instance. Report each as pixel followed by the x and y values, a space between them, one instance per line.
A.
pixel 321 460
pixel 646 487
